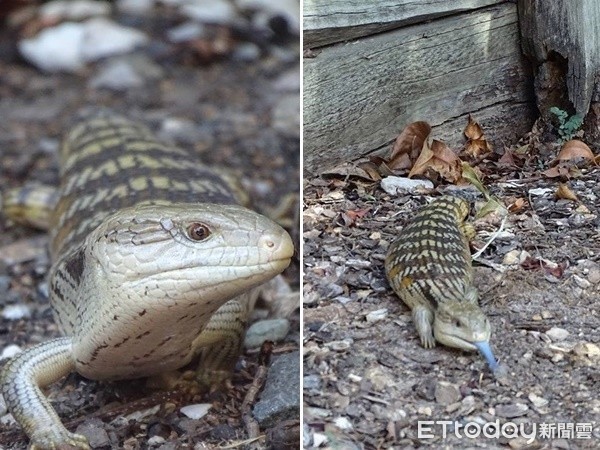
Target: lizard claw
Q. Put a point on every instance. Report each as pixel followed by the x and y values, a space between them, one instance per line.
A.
pixel 57 439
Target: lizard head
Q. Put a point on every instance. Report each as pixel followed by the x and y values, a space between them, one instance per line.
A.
pixel 462 324
pixel 189 250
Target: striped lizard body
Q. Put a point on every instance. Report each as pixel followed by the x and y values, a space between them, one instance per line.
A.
pixel 429 268
pixel 153 265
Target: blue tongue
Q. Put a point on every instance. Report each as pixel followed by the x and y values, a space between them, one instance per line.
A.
pixel 485 349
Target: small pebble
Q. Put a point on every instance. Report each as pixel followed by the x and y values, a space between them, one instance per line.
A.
pixel 557 334
pixel 266 330
pixel 196 411
pixel 343 423
pixel 537 401
pixel 118 76
pixel 446 393
pixel 399 185
pixel 512 410
pixel 58 10
pixel 16 312
pixel 215 11
pixel 186 32
pixel 376 316
pixel 10 351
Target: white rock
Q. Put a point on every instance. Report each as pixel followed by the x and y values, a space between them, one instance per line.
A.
pixel 210 11
pixel 16 312
pixel 135 6
pixel 376 316
pixel 186 32
pixel 515 257
pixel 557 334
pixel 540 191
pixel 73 9
pixel 319 439
pixel 105 38
pixel 538 402
pixel 10 351
pixel 156 440
pixel 263 330
pixel 118 76
pixel 398 185
pixel 196 411
pixel 343 423
pixel 55 49
pixel 246 52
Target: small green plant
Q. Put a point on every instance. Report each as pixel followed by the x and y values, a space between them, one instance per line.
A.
pixel 567 126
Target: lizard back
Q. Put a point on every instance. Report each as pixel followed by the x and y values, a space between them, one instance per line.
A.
pixel 108 163
pixel 430 260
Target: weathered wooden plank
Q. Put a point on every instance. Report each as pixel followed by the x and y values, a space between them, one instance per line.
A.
pixel 358 96
pixel 571 29
pixel 330 21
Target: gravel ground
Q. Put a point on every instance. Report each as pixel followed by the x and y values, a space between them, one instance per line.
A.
pixel 231 95
pixel 367 380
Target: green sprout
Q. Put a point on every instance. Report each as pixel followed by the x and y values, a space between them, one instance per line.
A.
pixel 568 126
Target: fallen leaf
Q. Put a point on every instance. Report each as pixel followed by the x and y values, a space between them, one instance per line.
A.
pixel 517 205
pixel 575 150
pixel 408 145
pixel 351 216
pixel 439 158
pixel 560 170
pixel 353 170
pixel 469 174
pixel 549 267
pixel 493 206
pixel 477 144
pixel 507 159
pixel 371 169
pixel 473 129
pixel 566 193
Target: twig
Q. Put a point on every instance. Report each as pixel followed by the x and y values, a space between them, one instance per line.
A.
pixel 492 238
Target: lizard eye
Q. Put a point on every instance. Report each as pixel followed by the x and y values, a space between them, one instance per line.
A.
pixel 457 323
pixel 198 231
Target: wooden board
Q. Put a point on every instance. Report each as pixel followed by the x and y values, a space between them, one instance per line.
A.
pixel 358 96
pixel 577 42
pixel 329 21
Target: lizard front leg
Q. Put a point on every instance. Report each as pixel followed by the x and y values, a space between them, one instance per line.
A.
pixel 220 343
pixel 21 379
pixel 423 318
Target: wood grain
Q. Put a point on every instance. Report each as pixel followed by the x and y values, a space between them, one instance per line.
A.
pixel 359 96
pixel 330 21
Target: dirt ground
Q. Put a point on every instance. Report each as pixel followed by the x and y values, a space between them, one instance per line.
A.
pixel 215 104
pixel 367 380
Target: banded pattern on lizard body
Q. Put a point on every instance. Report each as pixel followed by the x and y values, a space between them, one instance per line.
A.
pixel 154 264
pixel 429 267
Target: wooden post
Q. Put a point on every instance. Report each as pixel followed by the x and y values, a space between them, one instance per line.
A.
pixel 562 39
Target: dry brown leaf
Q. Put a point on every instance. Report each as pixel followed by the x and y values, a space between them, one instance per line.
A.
pixel 473 129
pixel 351 216
pixel 408 144
pixel 565 192
pixel 371 169
pixel 560 170
pixel 366 172
pixel 439 158
pixel 549 267
pixel 477 145
pixel 575 150
pixel 507 160
pixel 517 205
